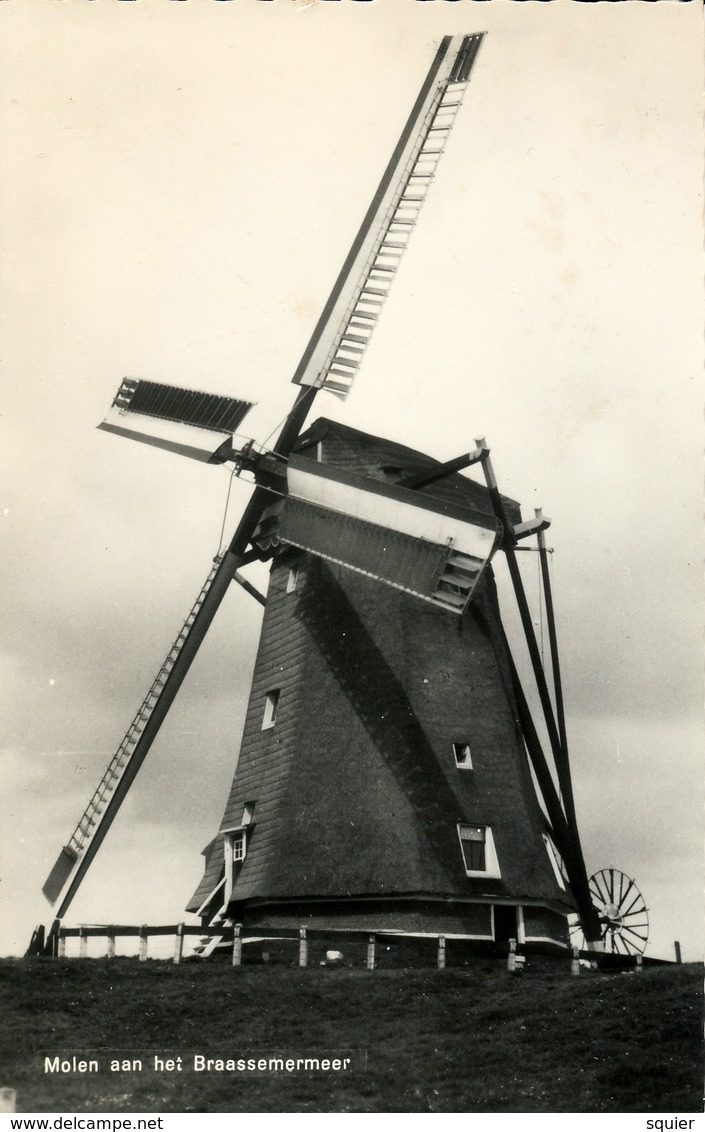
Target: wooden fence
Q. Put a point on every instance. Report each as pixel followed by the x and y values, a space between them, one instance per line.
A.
pixel 232 937
pixel 142 932
pixel 226 935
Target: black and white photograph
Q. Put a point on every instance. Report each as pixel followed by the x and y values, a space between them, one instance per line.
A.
pixel 352 618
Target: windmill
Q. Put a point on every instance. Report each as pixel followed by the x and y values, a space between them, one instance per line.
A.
pixel 391 772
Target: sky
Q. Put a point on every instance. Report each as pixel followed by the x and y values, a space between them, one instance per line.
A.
pixel 182 184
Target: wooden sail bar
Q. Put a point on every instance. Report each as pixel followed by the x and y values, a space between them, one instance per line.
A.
pixel 343 332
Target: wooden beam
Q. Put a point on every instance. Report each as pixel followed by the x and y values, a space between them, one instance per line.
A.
pixel 249 588
pixel 566 782
pixel 531 526
pixel 303 948
pixel 422 479
pixel 371 940
pixel 237 945
pixel 179 943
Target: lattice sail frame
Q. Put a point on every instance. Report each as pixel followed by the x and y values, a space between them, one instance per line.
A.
pixel 335 351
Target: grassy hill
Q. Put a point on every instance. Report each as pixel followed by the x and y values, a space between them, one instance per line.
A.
pixel 434 1041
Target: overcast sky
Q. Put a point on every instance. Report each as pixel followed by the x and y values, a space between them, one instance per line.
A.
pixel 181 185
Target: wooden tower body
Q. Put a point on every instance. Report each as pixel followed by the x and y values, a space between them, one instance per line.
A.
pixel 382 781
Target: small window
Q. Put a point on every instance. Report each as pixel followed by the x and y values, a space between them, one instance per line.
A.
pixel 292 579
pixel 239 846
pixel 472 840
pixel 478 850
pixel 463 758
pixel 235 851
pixel 248 813
pixel 270 709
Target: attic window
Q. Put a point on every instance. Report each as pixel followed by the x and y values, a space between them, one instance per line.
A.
pixel 463 758
pixel 270 709
pixel 477 845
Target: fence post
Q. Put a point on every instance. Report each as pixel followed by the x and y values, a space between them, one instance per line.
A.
pixel 144 937
pixel 677 948
pixel 441 952
pixel 237 945
pixel 110 932
pixel 640 963
pixel 303 948
pixel 575 962
pixel 8 1100
pixel 371 953
pixel 82 943
pixel 179 943
pixel 512 957
pixel 61 946
pixel 51 947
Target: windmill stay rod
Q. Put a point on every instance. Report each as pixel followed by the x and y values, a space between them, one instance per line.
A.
pixel 566 834
pixel 560 753
pixel 559 825
pixel 508 547
pixel 563 832
pixel 556 668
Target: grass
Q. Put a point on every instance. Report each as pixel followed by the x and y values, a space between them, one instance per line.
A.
pixel 435 1041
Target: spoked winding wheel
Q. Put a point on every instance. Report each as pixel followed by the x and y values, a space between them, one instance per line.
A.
pixel 622 911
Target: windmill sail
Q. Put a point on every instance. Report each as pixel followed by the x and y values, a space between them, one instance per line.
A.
pixel 428 547
pixel 184 421
pixel 98 815
pixel 340 339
